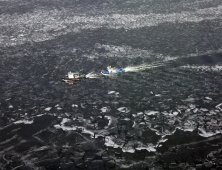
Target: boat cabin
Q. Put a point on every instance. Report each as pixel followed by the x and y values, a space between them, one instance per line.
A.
pixel 111 69
pixel 73 75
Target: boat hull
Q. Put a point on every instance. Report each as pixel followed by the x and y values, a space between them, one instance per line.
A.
pixel 118 70
pixel 73 79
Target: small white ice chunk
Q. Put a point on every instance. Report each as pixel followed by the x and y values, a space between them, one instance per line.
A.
pixel 204 109
pixel 175 113
pixel 123 109
pixel 23 121
pixel 126 119
pixel 130 150
pixel 218 106
pixel 208 98
pixel 10 106
pixel 204 133
pixel 195 110
pixel 48 108
pixel 111 92
pixel 74 105
pixel 151 112
pixel 140 113
pixel 59 108
pixel 104 109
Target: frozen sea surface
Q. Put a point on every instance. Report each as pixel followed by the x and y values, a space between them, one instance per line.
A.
pixel 164 112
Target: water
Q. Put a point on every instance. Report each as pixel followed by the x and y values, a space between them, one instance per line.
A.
pixel 163 112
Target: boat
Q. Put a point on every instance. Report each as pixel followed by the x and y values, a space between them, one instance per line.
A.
pixel 74 76
pixel 111 70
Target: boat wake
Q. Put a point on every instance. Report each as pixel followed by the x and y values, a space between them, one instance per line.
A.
pixel 92 75
pixel 142 67
pixel 137 68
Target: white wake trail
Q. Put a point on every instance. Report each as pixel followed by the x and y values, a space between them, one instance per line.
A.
pixel 142 67
pixel 93 75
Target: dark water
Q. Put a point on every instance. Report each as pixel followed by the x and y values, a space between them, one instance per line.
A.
pixel 164 112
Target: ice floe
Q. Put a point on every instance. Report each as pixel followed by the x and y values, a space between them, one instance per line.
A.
pixel 105 109
pixel 123 109
pixel 10 106
pixel 110 120
pixel 111 92
pixel 151 112
pixel 24 121
pixel 204 109
pixel 43 20
pixel 208 98
pixel 203 133
pixel 59 108
pixel 188 125
pixel 219 106
pixel 48 108
pixel 139 113
pixel 74 105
